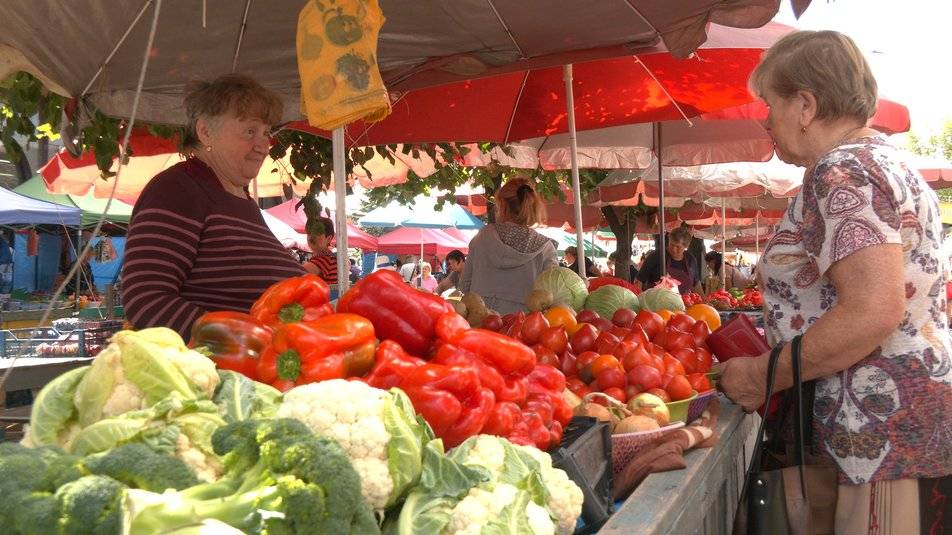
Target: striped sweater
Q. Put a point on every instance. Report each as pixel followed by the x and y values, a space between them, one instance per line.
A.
pixel 193 247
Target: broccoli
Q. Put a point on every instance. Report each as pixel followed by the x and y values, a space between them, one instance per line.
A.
pixel 24 471
pixel 279 477
pixel 139 466
pixel 90 505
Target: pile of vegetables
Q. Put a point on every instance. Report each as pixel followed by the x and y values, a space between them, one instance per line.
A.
pixel 735 298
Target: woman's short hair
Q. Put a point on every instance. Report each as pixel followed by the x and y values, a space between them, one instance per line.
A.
pixel 517 202
pixel 456 256
pixel 713 256
pixel 425 265
pixel 236 94
pixel 320 226
pixel 680 234
pixel 825 63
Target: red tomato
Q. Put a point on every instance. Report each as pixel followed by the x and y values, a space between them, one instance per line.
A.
pixel 636 356
pixel 679 388
pixel 699 382
pixel 637 334
pixel 609 378
pixel 624 317
pixel 605 343
pixel 632 391
pixel 704 360
pixel 650 321
pixel 574 383
pixel 568 364
pixel 533 328
pixel 673 365
pixel 603 362
pixel 622 349
pixel 545 355
pixel 620 332
pixel 676 338
pixel 682 322
pixel 645 377
pixel 586 316
pixel 661 393
pixel 555 339
pixel 586 358
pixel 700 331
pixel 492 322
pixel 687 357
pixel 616 393
pixel 602 324
pixel 584 338
pixel 585 374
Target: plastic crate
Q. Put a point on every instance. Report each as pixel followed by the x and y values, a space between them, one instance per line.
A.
pixel 85 341
pixel 585 454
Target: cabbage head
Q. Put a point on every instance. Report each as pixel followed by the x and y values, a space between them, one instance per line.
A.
pixel 566 286
pixel 658 298
pixel 609 298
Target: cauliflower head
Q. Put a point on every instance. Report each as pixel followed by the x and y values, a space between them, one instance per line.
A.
pixel 481 507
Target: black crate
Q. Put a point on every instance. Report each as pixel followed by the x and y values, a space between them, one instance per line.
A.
pixel 87 340
pixel 585 454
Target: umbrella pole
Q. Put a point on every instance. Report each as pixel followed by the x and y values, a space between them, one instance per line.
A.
pixel 757 235
pixel 656 130
pixel 79 249
pixel 340 193
pixel 724 242
pixel 576 188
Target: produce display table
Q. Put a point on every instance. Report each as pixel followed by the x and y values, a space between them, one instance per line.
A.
pixel 699 499
pixel 34 373
pixel 22 319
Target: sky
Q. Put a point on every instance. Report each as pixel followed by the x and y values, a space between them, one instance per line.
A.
pixel 907 43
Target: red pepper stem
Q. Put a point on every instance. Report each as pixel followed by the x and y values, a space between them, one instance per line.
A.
pixel 291 313
pixel 289 365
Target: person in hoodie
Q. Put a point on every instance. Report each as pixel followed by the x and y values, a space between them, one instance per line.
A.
pixel 506 257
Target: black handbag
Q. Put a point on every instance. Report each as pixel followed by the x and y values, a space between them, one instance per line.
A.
pixel 798 498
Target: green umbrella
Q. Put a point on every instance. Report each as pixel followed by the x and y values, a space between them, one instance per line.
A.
pixel 91 206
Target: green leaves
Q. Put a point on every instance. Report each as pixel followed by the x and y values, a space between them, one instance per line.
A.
pixel 54 408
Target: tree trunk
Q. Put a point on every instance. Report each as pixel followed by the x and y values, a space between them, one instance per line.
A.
pixel 623 239
pixel 490 197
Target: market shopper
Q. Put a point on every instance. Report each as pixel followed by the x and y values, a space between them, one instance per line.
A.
pixel 506 257
pixel 613 261
pixel 571 261
pixel 856 268
pixel 681 265
pixel 425 280
pixel 455 263
pixel 323 261
pixel 197 241
pixel 732 275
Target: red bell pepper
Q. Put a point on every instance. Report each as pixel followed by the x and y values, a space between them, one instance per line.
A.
pixel 303 298
pixel 331 347
pixel 512 387
pixel 398 311
pixel 506 354
pixel 450 398
pixel 233 340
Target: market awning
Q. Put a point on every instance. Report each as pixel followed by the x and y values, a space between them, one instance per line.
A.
pixel 91 206
pixel 16 209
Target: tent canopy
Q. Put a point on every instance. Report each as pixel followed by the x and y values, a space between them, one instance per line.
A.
pixel 91 206
pixel 295 217
pixel 16 209
pixel 406 240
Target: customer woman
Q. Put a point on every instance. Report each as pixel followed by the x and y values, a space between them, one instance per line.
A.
pixel 197 242
pixel 425 280
pixel 856 268
pixel 732 275
pixel 681 265
pixel 323 262
pixel 506 257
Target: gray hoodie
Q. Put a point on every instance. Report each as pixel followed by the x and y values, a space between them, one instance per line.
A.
pixel 503 264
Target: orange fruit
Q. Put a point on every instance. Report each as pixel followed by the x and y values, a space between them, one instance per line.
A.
pixel 707 314
pixel 665 314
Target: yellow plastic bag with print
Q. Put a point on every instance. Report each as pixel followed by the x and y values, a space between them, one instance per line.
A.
pixel 337 60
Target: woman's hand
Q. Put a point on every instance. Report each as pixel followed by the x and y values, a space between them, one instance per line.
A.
pixel 744 381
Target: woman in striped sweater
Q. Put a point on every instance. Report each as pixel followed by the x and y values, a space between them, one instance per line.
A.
pixel 197 242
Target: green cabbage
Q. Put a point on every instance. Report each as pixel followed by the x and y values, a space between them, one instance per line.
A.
pixel 658 298
pixel 609 298
pixel 240 398
pixel 566 286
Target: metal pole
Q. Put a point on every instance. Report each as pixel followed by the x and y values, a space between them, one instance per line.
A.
pixel 79 250
pixel 723 242
pixel 656 131
pixel 576 188
pixel 757 235
pixel 340 194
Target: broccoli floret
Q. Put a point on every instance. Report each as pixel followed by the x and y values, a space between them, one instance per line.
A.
pixel 279 477
pixel 21 473
pixel 139 466
pixel 91 505
pixel 37 513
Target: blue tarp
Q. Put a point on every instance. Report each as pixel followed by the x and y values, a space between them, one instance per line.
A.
pixel 36 273
pixel 107 273
pixel 16 209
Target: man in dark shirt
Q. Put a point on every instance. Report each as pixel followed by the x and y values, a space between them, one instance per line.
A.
pixel 632 270
pixel 571 259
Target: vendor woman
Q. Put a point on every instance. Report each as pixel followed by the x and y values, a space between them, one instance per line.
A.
pixel 197 242
pixel 680 264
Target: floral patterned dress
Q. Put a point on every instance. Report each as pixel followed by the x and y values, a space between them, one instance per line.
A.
pixel 889 416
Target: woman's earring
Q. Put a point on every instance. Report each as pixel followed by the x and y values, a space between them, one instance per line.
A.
pixel 208 148
pixel 803 130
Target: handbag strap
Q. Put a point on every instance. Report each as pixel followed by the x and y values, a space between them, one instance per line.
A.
pixel 771 369
pixel 798 431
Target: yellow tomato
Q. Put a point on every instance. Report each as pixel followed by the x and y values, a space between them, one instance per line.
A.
pixel 707 314
pixel 562 315
pixel 665 315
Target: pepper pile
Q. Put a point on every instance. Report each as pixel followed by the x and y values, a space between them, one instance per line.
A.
pixel 721 300
pixel 691 299
pixel 752 298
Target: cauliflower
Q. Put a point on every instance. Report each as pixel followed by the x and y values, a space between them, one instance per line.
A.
pixel 565 498
pixel 206 467
pixel 481 507
pixel 199 369
pixel 377 429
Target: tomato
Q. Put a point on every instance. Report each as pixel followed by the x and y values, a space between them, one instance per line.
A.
pixel 665 315
pixel 624 317
pixel 602 324
pixel 699 382
pixel 492 322
pixel 585 374
pixel 585 358
pixel 616 393
pixel 584 338
pixel 562 315
pixel 622 349
pixel 661 393
pixel 586 316
pixel 555 339
pixel 637 355
pixel 682 322
pixel 704 360
pixel 574 383
pixel 545 355
pixel 568 364
pixel 679 388
pixel 533 328
pixel 610 378
pixel 604 362
pixel 674 338
pixel 700 331
pixel 650 322
pixel 673 365
pixel 707 314
pixel 620 332
pixel 687 357
pixel 637 334
pixel 632 391
pixel 605 343
pixel 645 377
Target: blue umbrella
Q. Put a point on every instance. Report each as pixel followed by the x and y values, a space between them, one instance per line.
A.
pixel 421 215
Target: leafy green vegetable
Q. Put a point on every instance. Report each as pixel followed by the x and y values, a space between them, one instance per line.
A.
pixel 53 407
pixel 609 298
pixel 108 433
pixel 146 366
pixel 240 398
pixel 138 466
pixel 404 451
pixel 566 286
pixel 657 298
pixel 512 520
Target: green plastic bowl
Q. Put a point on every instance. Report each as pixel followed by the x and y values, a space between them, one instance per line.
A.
pixel 679 409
